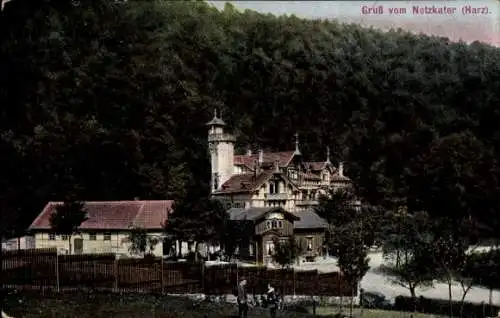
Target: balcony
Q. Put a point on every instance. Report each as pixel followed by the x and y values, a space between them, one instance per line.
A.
pixel 277 196
pixel 221 138
pixel 306 202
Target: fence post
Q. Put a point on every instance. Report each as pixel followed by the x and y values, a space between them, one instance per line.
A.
pixel 162 278
pixel 293 278
pixel 115 287
pixel 57 271
pixel 203 276
pixel 237 274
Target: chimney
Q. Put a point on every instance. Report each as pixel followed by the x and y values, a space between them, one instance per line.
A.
pixel 249 152
pixel 341 169
pixel 276 166
pixel 261 156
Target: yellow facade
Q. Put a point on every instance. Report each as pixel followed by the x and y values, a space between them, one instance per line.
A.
pixel 112 242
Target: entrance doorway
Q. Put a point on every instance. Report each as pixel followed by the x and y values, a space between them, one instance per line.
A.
pixel 269 248
pixel 78 246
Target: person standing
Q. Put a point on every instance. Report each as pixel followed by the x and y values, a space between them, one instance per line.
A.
pixel 272 300
pixel 242 299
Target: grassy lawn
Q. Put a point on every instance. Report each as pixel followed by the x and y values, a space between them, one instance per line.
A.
pixel 124 306
pixel 127 306
pixel 371 313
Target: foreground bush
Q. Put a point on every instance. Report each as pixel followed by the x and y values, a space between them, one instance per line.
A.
pixel 441 307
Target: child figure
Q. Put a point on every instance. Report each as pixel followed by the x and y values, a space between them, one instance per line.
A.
pixel 272 300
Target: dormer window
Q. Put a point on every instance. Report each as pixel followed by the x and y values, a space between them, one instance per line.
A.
pixel 274 187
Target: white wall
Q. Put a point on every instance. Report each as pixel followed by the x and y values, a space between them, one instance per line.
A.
pixel 22 243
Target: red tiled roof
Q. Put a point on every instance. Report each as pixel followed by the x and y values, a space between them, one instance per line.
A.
pixel 114 215
pixel 242 183
pixel 283 157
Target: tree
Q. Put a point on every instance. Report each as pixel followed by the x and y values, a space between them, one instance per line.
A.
pixel 238 234
pixel 406 247
pixel 352 256
pixel 484 269
pixel 351 232
pixel 141 243
pixel 337 206
pixel 67 218
pixel 448 248
pixel 286 251
pixel 197 218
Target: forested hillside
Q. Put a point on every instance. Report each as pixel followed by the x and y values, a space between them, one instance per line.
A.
pixel 103 101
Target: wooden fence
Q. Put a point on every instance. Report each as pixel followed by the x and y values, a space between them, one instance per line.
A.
pixel 44 270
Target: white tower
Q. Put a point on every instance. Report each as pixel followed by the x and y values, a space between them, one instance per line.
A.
pixel 221 147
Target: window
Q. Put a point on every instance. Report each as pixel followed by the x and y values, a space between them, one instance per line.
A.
pixel 92 237
pixel 52 237
pixel 268 225
pixel 64 237
pixel 280 224
pixel 274 187
pixel 107 237
pixel 215 181
pixel 274 224
pixel 309 243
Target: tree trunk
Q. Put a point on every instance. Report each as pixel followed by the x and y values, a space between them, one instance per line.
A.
pixel 413 297
pixel 351 305
pixel 450 298
pixel 462 304
pixel 196 251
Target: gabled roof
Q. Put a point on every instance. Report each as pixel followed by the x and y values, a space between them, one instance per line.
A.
pixel 249 182
pixel 114 215
pixel 284 158
pixel 255 214
pixel 243 183
pixel 309 220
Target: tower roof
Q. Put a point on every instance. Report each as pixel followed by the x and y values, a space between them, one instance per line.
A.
pixel 216 121
pixel 297 151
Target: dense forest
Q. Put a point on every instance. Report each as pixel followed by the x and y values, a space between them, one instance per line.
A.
pixel 108 100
